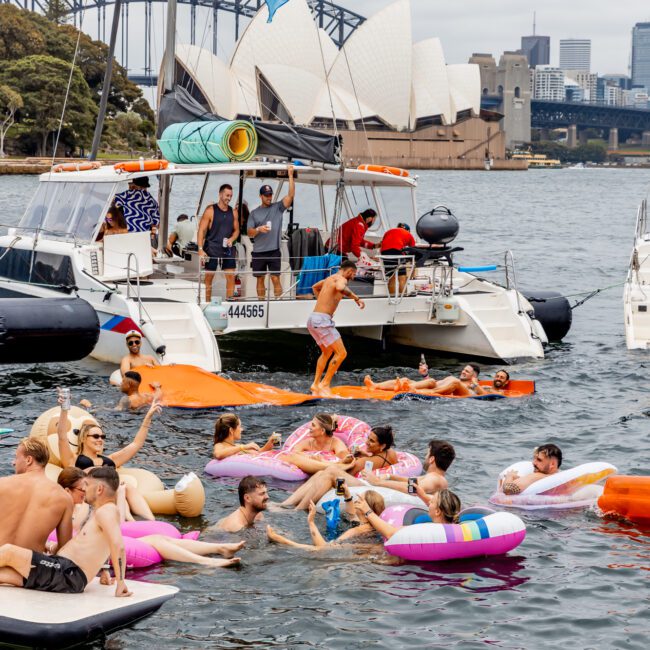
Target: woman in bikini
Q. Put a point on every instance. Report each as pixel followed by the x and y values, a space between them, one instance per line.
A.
pixel 90 452
pixel 227 436
pixel 73 481
pixel 380 453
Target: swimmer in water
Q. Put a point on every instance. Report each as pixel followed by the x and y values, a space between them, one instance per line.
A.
pixel 134 358
pixel 253 501
pixel 499 383
pixel 358 534
pixel 444 508
pixel 133 399
pixel 547 460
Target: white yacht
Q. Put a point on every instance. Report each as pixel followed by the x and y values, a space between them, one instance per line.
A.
pixel 54 250
pixel 636 294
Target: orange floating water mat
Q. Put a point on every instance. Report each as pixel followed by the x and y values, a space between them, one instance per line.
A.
pixel 190 387
pixel 627 496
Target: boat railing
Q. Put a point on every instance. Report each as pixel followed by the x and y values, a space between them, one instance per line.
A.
pixel 129 283
pixel 641 220
pixel 511 277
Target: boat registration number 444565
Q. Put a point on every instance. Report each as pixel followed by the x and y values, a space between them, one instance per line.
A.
pixel 246 311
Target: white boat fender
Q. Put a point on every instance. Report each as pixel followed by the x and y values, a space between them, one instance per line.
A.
pixel 153 337
pixel 50 620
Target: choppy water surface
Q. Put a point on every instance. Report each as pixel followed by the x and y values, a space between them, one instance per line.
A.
pixel 576 581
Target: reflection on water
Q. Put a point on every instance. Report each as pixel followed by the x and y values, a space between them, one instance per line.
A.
pixel 576 581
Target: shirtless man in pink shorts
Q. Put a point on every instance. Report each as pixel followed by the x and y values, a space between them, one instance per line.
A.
pixel 329 293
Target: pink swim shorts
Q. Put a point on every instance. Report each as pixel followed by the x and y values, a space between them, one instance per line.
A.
pixel 322 328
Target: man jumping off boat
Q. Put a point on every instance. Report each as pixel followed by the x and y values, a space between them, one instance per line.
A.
pixel 329 293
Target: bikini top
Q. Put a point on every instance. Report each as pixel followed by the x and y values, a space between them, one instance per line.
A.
pixel 84 462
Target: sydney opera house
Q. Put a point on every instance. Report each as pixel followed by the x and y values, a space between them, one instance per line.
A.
pixel 393 101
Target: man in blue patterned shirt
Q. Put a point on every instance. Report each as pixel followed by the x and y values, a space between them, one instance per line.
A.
pixel 140 208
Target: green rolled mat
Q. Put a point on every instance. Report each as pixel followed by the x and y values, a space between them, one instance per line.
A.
pixel 208 142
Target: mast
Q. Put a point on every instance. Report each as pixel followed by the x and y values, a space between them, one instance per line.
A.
pixel 168 83
pixel 108 76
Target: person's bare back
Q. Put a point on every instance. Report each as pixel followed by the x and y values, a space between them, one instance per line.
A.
pixel 32 507
pixel 331 293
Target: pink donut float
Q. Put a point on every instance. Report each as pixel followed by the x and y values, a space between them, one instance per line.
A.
pixel 494 533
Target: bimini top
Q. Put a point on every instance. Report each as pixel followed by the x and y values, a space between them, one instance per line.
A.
pixel 304 174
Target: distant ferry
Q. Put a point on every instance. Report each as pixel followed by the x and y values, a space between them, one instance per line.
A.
pixel 537 160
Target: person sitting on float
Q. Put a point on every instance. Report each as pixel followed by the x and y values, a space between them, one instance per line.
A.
pixel 440 455
pixel 547 460
pixel 321 439
pixel 379 452
pixel 73 481
pixel 114 223
pixel 227 434
pixel 499 382
pixel 361 534
pixel 90 448
pixel 444 508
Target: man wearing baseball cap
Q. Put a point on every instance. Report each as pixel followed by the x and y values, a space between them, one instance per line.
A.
pixel 265 229
pixel 134 358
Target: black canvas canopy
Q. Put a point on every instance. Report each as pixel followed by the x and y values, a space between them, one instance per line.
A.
pixel 280 140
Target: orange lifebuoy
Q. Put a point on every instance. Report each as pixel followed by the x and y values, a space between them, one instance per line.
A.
pixel 382 169
pixel 76 167
pixel 140 165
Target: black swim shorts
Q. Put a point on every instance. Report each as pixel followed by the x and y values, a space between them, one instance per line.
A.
pixel 267 261
pixel 55 573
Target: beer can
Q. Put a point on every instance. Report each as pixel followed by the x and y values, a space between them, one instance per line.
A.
pixel 65 393
pixel 339 487
pixel 368 466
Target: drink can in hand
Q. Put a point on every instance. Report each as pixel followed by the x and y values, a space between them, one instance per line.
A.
pixel 277 439
pixel 65 393
pixel 340 482
pixel 269 225
pixel 226 243
pixel 368 466
pixel 412 482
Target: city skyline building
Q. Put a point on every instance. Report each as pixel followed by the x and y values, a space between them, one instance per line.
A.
pixel 641 55
pixel 549 83
pixel 537 49
pixel 575 54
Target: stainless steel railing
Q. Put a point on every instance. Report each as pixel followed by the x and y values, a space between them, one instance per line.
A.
pixel 511 277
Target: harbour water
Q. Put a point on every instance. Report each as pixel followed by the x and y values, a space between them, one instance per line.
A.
pixel 576 581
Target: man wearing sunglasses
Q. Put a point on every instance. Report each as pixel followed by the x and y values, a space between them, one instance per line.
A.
pixel 134 358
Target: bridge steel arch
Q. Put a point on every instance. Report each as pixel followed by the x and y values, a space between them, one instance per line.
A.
pixel 337 21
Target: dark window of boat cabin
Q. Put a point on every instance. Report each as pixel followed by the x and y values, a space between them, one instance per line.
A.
pixel 67 210
pixel 53 271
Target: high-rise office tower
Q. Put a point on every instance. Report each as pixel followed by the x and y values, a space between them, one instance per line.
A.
pixel 537 49
pixel 575 54
pixel 641 55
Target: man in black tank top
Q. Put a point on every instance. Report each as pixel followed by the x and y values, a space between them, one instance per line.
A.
pixel 218 232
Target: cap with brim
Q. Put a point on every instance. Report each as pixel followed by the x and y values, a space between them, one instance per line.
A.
pixel 133 334
pixel 143 181
pixel 266 190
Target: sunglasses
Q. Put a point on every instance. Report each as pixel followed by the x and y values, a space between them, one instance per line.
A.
pixel 130 343
pixel 97 436
pixel 79 489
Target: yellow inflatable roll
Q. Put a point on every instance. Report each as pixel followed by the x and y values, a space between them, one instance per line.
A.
pixel 187 498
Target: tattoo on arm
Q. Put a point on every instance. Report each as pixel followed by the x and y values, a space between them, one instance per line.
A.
pixel 121 565
pixel 511 488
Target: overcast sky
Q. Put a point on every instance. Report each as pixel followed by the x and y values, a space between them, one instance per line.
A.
pixel 467 26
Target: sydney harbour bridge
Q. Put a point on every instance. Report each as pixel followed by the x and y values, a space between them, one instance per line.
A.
pixel 337 21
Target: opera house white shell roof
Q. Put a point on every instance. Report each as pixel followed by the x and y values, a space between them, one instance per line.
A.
pixel 290 69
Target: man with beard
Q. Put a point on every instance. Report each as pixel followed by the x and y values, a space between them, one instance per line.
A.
pixel 253 501
pixel 547 460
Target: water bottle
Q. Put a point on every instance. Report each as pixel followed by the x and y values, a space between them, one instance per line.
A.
pixel 269 225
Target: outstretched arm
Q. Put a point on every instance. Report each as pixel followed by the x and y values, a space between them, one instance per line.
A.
pixel 65 453
pixel 288 199
pixel 109 522
pixel 385 529
pixel 316 536
pixel 127 453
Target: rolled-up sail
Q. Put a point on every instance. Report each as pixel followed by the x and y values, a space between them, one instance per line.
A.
pixel 209 142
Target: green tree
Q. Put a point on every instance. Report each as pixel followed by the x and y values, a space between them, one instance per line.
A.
pixel 19 35
pixel 57 11
pixel 42 82
pixel 10 102
pixel 128 126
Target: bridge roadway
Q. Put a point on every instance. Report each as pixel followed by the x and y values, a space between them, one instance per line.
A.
pixel 554 115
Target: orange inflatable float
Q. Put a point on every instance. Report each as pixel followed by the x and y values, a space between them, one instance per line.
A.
pixel 140 165
pixel 627 496
pixel 190 387
pixel 383 169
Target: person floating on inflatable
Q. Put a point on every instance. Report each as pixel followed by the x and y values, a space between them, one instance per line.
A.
pixel 329 293
pixel 547 460
pixel 253 501
pixel 444 508
pixel 227 434
pixel 361 535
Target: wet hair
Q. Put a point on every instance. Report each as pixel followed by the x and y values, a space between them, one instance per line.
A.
pixel 384 435
pixel 443 452
pixel 182 217
pixel 348 264
pixel 326 421
pixel 222 426
pixel 118 215
pixel 132 374
pixel 225 186
pixel 69 476
pixel 550 451
pixel 248 484
pixel 375 501
pixel 107 475
pixel 475 367
pixel 368 214
pixel 36 449
pixel 449 505
pixel 83 434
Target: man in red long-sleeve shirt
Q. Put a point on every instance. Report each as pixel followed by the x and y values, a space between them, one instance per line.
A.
pixel 350 237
